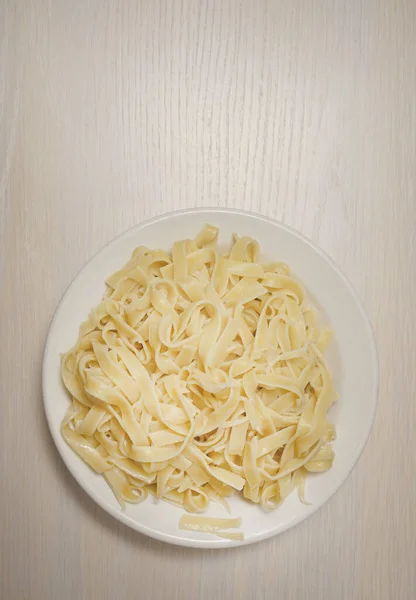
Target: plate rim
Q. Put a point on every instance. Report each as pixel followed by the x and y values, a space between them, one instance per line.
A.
pixel 121 516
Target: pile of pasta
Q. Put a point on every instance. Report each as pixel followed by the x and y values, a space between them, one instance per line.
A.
pixel 201 373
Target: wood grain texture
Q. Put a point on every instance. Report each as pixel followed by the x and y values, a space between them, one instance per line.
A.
pixel 112 112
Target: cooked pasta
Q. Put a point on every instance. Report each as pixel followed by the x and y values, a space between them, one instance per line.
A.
pixel 212 525
pixel 201 373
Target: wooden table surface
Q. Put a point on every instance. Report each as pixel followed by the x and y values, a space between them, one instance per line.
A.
pixel 114 111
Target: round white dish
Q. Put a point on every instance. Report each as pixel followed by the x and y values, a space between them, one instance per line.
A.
pixel 352 357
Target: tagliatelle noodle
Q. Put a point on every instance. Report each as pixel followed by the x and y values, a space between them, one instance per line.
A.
pixel 199 374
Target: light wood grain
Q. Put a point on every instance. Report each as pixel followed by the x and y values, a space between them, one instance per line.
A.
pixel 112 112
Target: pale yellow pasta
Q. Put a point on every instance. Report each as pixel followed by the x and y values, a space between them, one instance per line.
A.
pixel 201 374
pixel 208 524
pixel 234 536
pixel 213 525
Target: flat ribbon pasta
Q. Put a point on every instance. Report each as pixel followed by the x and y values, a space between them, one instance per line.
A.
pixel 201 373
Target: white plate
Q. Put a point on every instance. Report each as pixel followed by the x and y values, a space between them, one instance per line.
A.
pixel 352 357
